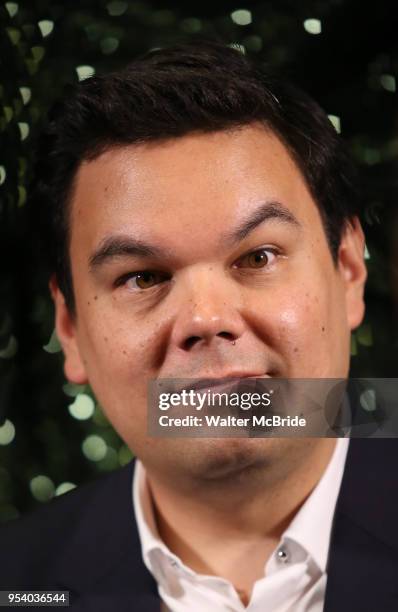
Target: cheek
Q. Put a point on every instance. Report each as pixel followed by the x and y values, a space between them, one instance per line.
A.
pixel 118 361
pixel 302 323
pixel 114 350
pixel 300 311
pixel 312 335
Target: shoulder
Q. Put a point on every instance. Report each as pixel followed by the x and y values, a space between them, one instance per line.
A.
pixel 31 545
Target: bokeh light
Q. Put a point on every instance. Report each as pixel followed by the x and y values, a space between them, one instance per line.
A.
pixel 388 81
pixel 82 408
pixel 42 488
pixel 313 26
pixel 335 122
pixel 7 432
pixel 64 487
pixel 94 448
pixel 241 17
pixel 85 72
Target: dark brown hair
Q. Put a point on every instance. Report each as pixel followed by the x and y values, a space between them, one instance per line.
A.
pixel 167 93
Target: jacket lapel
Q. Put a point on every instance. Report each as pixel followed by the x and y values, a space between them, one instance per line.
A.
pixel 363 558
pixel 102 565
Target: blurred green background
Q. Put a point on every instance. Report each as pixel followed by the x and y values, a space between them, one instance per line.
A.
pixel 53 435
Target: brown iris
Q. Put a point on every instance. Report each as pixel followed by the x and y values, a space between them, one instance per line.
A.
pixel 145 280
pixel 258 259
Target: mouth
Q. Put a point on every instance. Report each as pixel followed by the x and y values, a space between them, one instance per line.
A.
pixel 223 382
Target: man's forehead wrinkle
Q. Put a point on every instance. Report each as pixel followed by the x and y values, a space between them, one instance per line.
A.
pixel 272 210
pixel 114 246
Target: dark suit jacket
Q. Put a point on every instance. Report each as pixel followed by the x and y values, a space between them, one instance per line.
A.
pixel 86 541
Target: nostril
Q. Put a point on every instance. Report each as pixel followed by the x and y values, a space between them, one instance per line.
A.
pixel 226 335
pixel 191 341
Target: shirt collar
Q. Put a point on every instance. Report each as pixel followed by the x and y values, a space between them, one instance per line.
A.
pixel 310 528
pixel 145 518
pixel 312 525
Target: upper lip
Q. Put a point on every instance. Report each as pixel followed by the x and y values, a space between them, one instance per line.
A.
pixel 216 381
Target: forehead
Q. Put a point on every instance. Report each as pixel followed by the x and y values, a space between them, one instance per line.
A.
pixel 180 185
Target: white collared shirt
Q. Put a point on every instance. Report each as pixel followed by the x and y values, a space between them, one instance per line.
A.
pixel 294 575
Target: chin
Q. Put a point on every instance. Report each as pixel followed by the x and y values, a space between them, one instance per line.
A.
pixel 215 459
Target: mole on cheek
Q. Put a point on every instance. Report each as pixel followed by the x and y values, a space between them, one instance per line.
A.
pixel 323 329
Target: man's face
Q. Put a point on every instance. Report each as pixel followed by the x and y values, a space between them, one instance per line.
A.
pixel 238 279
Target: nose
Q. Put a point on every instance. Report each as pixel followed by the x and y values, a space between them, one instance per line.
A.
pixel 208 313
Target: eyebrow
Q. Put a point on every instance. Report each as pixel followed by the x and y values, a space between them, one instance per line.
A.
pixel 268 211
pixel 114 246
pixel 118 246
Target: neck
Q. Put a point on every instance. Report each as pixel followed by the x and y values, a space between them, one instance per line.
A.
pixel 218 527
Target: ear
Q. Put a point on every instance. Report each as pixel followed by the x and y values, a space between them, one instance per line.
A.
pixel 65 327
pixel 353 271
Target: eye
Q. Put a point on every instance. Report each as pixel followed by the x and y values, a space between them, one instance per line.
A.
pixel 257 259
pixel 146 279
